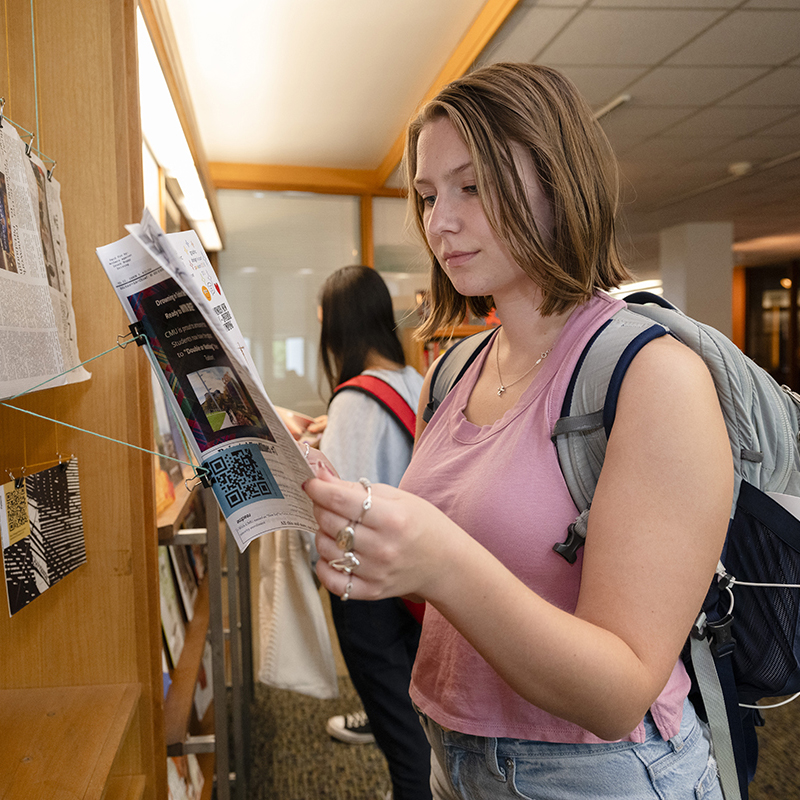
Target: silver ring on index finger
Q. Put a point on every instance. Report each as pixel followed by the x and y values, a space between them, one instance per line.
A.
pixel 367 504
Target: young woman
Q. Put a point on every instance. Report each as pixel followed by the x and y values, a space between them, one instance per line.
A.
pixel 378 639
pixel 534 677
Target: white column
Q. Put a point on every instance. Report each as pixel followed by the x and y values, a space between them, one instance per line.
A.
pixel 696 261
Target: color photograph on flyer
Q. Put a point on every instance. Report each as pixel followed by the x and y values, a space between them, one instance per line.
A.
pixel 211 396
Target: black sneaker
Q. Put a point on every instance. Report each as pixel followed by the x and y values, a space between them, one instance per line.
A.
pixel 350 728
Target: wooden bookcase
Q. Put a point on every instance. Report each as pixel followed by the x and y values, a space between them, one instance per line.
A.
pixel 421 355
pixel 82 713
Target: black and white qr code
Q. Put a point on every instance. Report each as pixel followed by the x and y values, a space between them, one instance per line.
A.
pixel 17 508
pixel 239 477
pixel 224 315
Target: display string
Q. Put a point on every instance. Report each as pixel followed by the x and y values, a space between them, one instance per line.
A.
pixel 199 471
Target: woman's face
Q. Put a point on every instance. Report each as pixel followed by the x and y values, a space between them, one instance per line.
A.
pixel 459 234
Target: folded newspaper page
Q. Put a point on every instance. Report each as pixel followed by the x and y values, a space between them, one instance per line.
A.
pixel 37 321
pixel 166 283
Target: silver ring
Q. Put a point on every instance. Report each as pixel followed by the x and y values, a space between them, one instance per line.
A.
pixel 347 563
pixel 347 590
pixel 345 538
pixel 367 504
pixel 308 450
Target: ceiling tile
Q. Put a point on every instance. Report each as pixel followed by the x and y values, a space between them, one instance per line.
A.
pixel 636 36
pixel 757 149
pixel 629 121
pixel 779 88
pixel 659 153
pixel 787 127
pixel 746 38
pixel 718 121
pixel 525 33
pixel 598 85
pixel 771 4
pixel 690 86
pixel 710 4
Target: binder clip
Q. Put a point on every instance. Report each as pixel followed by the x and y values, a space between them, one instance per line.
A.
pixel 136 334
pixel 201 476
pixel 18 482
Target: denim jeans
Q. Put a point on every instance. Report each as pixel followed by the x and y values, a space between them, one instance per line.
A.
pixel 468 767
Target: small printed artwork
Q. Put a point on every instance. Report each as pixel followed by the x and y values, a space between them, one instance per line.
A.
pixel 41 527
pixel 187 584
pixel 171 619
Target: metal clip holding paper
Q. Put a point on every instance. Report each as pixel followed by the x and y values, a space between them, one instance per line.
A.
pixel 202 476
pixel 18 482
pixel 136 334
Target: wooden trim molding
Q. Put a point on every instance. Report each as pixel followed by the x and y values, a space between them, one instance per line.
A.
pixel 274 177
pixel 156 17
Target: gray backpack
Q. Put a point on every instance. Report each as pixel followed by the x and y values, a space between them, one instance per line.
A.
pixel 734 660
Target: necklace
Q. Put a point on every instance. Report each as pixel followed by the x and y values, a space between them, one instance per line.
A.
pixel 502 388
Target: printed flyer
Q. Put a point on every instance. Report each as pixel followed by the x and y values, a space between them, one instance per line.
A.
pixel 167 285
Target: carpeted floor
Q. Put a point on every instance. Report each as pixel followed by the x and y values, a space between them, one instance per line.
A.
pixel 294 759
pixel 778 773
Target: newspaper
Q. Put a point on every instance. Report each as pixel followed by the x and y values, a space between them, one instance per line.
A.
pixel 37 322
pixel 166 283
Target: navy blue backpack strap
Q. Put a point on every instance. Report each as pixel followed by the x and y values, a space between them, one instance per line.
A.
pixel 451 367
pixel 581 433
pixel 387 396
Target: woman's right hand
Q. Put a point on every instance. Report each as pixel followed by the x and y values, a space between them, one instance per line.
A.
pixel 399 542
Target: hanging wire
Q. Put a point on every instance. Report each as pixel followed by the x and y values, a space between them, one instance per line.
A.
pixel 199 471
pixel 28 147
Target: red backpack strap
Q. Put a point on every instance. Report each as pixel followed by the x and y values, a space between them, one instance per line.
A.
pixel 388 397
pixel 394 403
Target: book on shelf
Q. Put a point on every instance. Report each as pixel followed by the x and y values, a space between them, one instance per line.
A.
pixel 165 676
pixel 171 617
pixel 204 690
pixel 184 778
pixel 184 577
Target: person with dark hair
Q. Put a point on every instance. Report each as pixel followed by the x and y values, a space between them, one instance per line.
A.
pixel 536 677
pixel 363 439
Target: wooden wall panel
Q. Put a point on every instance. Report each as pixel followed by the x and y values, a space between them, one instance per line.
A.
pixel 97 625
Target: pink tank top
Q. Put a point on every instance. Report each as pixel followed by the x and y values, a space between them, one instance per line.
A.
pixel 503 484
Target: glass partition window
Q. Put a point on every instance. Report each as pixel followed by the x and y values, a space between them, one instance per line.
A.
pixel 280 247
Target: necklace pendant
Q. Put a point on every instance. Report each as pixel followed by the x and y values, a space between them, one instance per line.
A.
pixel 500 391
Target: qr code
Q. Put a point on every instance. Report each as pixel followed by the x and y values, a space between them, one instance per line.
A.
pixel 17 508
pixel 240 478
pixel 224 315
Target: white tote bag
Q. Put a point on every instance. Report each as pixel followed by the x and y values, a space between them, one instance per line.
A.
pixel 296 650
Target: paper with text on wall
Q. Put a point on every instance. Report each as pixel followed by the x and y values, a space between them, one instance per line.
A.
pixel 38 341
pixel 165 282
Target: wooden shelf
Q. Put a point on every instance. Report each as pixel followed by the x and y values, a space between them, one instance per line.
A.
pixel 171 518
pixel 62 741
pixel 126 787
pixel 180 697
pixel 459 331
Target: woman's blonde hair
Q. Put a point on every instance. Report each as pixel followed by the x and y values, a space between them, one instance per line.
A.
pixel 538 108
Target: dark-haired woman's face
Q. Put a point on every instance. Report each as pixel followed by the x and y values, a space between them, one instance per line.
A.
pixel 477 262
